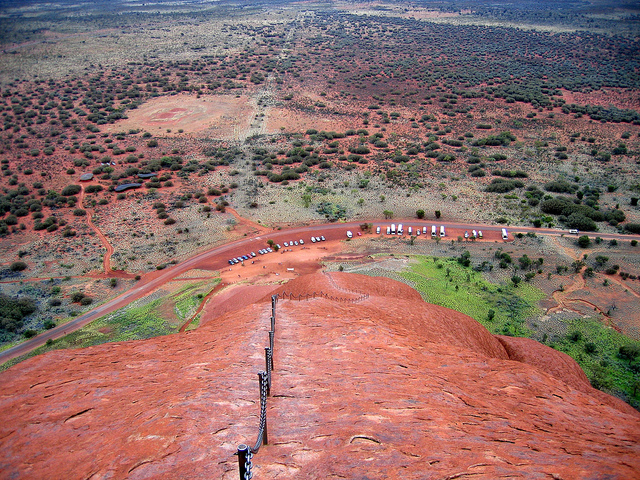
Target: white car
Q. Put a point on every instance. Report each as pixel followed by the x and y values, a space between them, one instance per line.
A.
pixel 479 233
pixel 349 234
pixel 313 239
pixel 573 230
pixel 475 234
pixel 378 230
pixel 286 244
pixel 301 242
pixel 322 238
pixel 295 243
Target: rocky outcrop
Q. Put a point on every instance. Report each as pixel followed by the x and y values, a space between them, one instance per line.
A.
pixel 387 387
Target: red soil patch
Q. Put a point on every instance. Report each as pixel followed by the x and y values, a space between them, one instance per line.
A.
pixel 218 116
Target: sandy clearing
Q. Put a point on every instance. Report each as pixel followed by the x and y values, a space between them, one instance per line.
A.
pixel 216 116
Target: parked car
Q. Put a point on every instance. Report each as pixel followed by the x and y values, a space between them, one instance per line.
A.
pixel 313 239
pixel 466 234
pixel 286 244
pixel 301 242
pixel 322 238
pixel 378 230
pixel 349 234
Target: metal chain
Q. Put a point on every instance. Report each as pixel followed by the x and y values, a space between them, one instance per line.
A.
pixel 248 474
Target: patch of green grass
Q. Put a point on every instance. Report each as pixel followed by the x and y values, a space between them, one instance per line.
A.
pixel 596 349
pixel 189 298
pixel 591 344
pixel 129 323
pixel 139 320
pixel 447 283
pixel 195 323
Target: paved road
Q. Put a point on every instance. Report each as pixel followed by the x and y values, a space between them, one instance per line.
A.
pixel 217 258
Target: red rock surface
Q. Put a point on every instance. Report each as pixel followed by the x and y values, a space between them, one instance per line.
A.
pixel 388 387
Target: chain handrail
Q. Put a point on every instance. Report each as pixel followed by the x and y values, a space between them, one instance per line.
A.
pixel 244 452
pixel 321 294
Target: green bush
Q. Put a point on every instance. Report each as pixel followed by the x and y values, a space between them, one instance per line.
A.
pixel 71 190
pixel 18 266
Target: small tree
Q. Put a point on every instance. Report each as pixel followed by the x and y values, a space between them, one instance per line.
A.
pixel 438 213
pixel 420 213
pixel 516 280
pixel 388 214
pixel 584 241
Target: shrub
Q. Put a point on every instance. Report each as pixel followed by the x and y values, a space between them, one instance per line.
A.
pixel 633 227
pixel 18 266
pixel 500 185
pixel 560 186
pixel 71 190
pixel 79 212
pixel 584 241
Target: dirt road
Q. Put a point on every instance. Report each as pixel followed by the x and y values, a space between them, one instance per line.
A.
pixel 217 258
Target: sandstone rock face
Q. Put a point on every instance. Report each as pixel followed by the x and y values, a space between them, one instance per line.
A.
pixel 387 387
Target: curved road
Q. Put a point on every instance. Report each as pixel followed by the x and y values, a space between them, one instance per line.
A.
pixel 217 258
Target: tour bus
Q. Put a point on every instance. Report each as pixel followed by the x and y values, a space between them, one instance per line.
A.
pixel 442 233
pixel 505 234
pixel 393 229
pixel 410 230
pixel 434 231
pixel 400 229
pixel 424 230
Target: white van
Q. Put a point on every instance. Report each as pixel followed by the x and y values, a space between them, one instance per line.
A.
pixel 505 234
pixel 410 230
pixel 349 234
pixel 393 229
pixel 475 234
pixel 399 229
pixel 574 231
pixel 434 230
pixel 442 232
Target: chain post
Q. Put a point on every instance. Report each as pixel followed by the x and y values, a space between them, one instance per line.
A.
pixel 267 361
pixel 271 335
pixel 273 305
pixel 244 462
pixel 263 407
